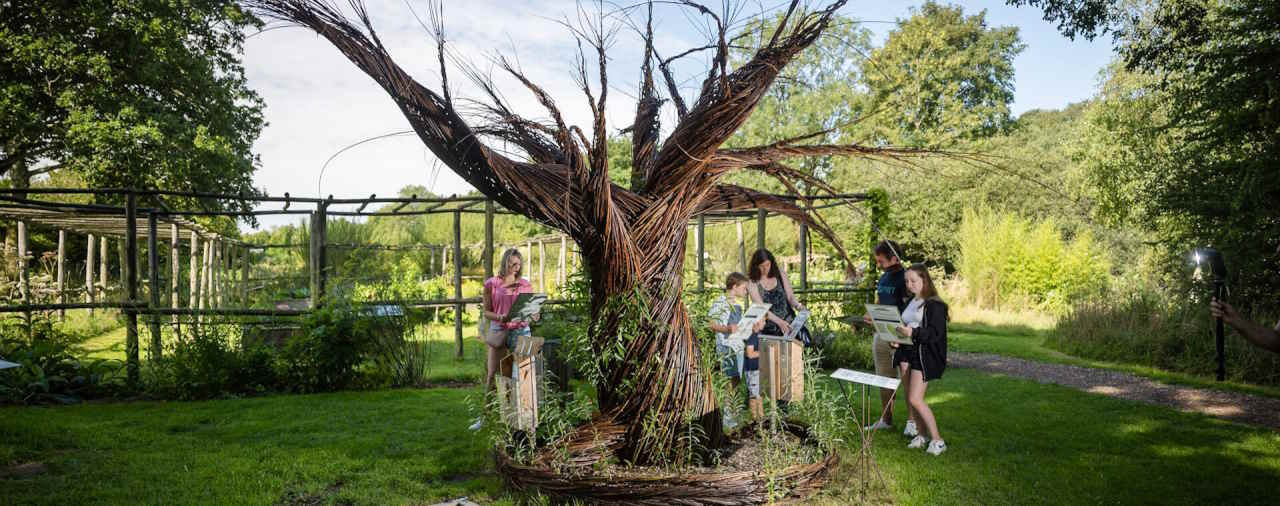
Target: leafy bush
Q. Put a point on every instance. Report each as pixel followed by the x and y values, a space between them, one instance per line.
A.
pixel 1007 260
pixel 51 370
pixel 206 364
pixel 1148 329
pixel 334 340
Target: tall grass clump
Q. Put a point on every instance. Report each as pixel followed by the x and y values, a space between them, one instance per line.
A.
pixel 1172 333
pixel 1007 261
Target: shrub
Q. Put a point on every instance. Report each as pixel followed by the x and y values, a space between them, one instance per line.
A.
pixel 50 370
pixel 206 364
pixel 1148 329
pixel 335 339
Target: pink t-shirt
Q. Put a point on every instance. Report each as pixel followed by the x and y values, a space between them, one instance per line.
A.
pixel 502 297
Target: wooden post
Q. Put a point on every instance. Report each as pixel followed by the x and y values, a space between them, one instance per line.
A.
pixel 24 283
pixel 244 277
pixel 319 275
pixel 542 265
pixel 175 272
pixel 804 256
pixel 742 247
pixel 121 245
pixel 700 237
pixel 193 295
pixel 761 216
pixel 102 270
pixel 88 272
pixel 488 239
pixel 62 281
pixel 129 271
pixel 528 259
pixel 564 244
pixel 204 273
pixel 431 260
pixel 457 280
pixel 153 279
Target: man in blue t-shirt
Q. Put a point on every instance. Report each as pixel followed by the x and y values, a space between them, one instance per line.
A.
pixel 891 290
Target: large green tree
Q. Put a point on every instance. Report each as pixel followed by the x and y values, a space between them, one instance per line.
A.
pixel 1188 127
pixel 128 93
pixel 942 77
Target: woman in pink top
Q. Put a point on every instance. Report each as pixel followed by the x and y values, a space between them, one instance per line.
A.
pixel 500 293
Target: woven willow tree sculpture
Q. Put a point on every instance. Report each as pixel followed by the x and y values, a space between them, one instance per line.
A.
pixel 632 239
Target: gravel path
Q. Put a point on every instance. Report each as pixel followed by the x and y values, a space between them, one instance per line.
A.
pixel 1234 406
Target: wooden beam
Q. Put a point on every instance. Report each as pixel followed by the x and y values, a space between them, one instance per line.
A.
pixel 761 218
pixel 62 281
pixel 542 266
pixel 88 273
pixel 457 281
pixel 153 290
pixel 175 272
pixel 560 274
pixel 488 240
pixel 129 269
pixel 804 256
pixel 24 283
pixel 102 268
pixel 742 248
pixel 244 277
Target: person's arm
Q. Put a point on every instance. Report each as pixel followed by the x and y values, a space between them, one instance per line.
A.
pixel 1262 337
pixel 488 306
pixel 752 352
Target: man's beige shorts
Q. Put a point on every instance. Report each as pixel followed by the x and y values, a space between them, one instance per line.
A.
pixel 882 353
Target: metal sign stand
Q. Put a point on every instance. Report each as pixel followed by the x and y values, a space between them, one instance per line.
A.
pixel 865 462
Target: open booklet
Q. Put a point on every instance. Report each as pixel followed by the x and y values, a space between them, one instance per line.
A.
pixel 525 306
pixel 754 314
pixel 797 323
pixel 886 319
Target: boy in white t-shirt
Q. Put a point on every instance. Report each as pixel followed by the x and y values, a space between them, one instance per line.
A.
pixel 724 316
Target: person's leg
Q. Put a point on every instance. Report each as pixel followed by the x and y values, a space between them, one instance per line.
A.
pixel 916 399
pixel 492 361
pixel 882 354
pixel 904 372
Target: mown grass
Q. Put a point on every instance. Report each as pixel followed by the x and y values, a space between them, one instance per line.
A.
pixel 1011 442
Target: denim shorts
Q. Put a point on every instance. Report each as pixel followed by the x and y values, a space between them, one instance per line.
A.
pixel 513 335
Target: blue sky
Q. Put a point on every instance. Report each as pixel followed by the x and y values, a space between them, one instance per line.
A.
pixel 317 102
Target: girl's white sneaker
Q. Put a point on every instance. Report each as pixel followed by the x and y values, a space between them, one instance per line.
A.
pixel 910 430
pixel 917 442
pixel 936 447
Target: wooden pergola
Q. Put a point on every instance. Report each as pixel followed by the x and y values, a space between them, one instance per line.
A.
pixel 218 270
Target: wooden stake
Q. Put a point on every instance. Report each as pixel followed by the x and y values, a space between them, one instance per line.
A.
pixel 153 291
pixel 129 271
pixel 175 272
pixel 62 282
pixel 88 272
pixel 457 280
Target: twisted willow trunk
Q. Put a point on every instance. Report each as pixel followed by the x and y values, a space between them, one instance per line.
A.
pixel 632 239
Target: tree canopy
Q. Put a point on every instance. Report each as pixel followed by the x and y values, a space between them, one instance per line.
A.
pixel 128 93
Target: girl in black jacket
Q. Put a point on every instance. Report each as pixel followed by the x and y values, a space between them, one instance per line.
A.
pixel 928 356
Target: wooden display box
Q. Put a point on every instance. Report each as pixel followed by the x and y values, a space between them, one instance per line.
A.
pixel 518 397
pixel 781 369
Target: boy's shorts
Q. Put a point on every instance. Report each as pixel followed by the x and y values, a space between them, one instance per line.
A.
pixel 753 383
pixel 730 361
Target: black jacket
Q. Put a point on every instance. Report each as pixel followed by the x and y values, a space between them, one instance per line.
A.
pixel 930 339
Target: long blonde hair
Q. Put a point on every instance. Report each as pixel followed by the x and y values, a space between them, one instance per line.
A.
pixel 506 256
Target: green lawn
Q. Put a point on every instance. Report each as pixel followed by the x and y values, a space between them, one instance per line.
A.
pixel 1011 442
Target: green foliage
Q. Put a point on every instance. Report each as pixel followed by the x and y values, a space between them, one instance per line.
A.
pixel 334 339
pixel 1005 258
pixel 942 77
pixel 51 368
pixel 208 363
pixel 1148 328
pixel 106 88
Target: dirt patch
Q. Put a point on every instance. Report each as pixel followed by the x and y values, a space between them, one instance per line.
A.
pixel 24 470
pixel 298 498
pixel 1234 406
